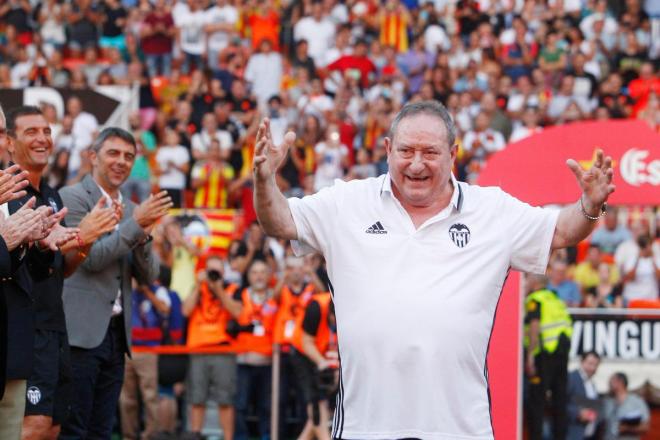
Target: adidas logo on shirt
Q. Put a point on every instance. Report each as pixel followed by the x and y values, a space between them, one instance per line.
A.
pixel 376 228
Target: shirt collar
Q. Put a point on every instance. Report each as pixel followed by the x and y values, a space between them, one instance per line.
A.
pixel 456 197
pixel 107 196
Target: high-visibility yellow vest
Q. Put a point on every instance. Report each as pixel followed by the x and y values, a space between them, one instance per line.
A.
pixel 555 320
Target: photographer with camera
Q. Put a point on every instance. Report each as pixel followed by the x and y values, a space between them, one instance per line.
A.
pixel 315 363
pixel 212 375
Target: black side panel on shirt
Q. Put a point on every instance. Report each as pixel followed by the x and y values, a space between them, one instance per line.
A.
pixel 312 318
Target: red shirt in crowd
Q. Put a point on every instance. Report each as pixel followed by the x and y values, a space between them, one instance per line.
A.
pixel 158 43
pixel 363 65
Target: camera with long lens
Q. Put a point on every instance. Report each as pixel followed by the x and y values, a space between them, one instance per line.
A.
pixel 213 275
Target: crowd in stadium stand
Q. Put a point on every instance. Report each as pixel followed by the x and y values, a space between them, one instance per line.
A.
pixel 334 72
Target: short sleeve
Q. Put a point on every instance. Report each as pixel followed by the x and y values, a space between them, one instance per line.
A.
pixel 529 231
pixel 314 216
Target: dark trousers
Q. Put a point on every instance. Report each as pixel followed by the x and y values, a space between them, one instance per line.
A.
pixel 253 385
pixel 551 375
pixel 98 374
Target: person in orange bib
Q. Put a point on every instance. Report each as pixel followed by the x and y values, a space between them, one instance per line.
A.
pixel 255 347
pixel 293 291
pixel 212 373
pixel 315 363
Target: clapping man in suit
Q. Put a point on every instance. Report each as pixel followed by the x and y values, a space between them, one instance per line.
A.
pixel 97 296
pixel 583 400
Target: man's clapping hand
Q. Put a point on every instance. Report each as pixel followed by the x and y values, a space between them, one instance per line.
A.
pixel 147 213
pixel 12 185
pixel 100 220
pixel 17 227
pixel 58 235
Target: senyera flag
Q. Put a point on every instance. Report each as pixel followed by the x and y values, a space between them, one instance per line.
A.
pixel 212 230
pixel 534 170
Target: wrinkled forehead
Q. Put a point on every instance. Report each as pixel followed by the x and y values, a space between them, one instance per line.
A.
pixel 25 122
pixel 421 130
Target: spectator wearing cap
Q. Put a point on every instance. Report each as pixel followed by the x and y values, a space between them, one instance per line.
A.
pixel 264 72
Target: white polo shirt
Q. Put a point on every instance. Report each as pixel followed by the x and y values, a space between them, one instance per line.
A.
pixel 415 308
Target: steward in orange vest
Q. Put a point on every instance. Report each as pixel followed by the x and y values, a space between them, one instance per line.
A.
pixel 293 294
pixel 315 361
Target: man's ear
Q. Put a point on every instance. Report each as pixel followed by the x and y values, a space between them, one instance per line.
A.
pixel 11 146
pixel 453 152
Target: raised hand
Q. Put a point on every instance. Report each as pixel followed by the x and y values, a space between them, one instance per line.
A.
pixel 596 182
pixel 147 213
pixel 100 220
pixel 17 227
pixel 267 156
pixel 12 185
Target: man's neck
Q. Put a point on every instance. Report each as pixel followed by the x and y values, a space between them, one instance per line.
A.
pixel 112 192
pixel 621 396
pixel 420 214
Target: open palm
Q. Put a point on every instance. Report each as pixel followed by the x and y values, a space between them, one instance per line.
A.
pixel 267 156
pixel 596 182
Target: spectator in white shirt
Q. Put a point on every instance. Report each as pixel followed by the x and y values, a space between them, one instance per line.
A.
pixel 530 125
pixel 192 38
pixel 641 274
pixel 318 30
pixel 221 22
pixel 331 159
pixel 562 101
pixel 483 140
pixel 85 127
pixel 264 72
pixel 523 96
pixel 201 141
pixel 173 162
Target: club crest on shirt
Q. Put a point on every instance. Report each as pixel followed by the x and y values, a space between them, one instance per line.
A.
pixel 53 204
pixel 33 395
pixel 459 234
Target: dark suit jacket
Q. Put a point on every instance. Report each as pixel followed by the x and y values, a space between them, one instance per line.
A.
pixel 577 396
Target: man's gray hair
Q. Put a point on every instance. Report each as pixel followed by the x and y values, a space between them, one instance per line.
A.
pixel 113 132
pixel 432 108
